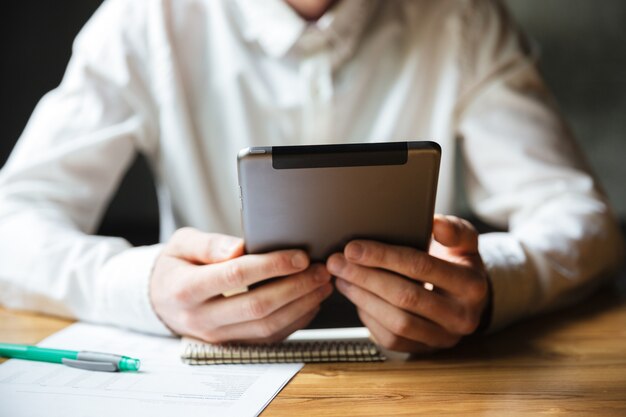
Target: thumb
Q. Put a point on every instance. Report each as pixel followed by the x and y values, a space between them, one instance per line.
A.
pixel 458 235
pixel 203 248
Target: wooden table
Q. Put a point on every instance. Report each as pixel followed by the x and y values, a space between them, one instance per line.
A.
pixel 568 363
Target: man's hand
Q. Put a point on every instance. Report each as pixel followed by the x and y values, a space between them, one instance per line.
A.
pixel 196 268
pixel 408 314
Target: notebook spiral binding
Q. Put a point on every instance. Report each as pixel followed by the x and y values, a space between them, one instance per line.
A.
pixel 198 353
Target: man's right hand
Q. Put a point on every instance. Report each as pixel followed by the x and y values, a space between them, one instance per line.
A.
pixel 196 268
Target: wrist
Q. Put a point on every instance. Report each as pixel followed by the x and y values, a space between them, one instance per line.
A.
pixel 125 280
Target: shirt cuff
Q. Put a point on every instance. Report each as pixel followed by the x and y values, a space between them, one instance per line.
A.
pixel 125 281
pixel 511 278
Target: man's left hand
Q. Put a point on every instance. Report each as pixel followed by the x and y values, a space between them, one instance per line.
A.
pixel 441 301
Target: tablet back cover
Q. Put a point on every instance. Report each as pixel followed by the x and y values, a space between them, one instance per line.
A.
pixel 320 197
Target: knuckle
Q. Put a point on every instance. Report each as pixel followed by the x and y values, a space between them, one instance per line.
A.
pixel 301 285
pixel 267 329
pixel 477 289
pixel 468 324
pixel 420 266
pixel 182 295
pixel 279 264
pixel 234 276
pixel 402 325
pixel 255 308
pixel 409 299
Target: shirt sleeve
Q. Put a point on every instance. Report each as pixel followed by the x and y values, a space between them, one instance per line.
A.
pixel 57 182
pixel 525 174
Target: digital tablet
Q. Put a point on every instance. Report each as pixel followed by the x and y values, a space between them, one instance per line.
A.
pixel 319 197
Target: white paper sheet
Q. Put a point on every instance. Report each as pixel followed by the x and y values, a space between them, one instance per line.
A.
pixel 163 387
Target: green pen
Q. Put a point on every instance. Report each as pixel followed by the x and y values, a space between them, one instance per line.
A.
pixel 93 361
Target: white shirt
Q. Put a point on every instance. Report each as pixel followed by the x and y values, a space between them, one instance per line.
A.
pixel 191 82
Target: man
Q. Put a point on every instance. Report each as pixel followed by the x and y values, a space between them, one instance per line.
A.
pixel 190 82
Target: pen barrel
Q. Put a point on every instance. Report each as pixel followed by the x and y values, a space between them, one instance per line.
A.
pixel 86 355
pixel 122 363
pixel 34 353
pixel 86 360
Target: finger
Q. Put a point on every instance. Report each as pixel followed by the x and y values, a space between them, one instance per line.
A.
pixel 385 338
pixel 456 234
pixel 203 248
pixel 395 320
pixel 300 323
pixel 210 280
pixel 266 299
pixel 276 324
pixel 408 262
pixel 400 292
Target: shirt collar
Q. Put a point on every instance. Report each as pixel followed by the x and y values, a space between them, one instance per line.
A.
pixel 271 23
pixel 278 28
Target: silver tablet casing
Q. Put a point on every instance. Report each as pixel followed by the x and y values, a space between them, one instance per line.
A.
pixel 320 197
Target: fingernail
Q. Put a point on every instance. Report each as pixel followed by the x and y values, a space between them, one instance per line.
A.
pixel 299 260
pixel 336 264
pixel 354 251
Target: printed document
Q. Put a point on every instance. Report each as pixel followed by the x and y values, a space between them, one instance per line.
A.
pixel 163 387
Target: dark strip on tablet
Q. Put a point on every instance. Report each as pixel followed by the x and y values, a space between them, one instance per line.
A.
pixel 346 155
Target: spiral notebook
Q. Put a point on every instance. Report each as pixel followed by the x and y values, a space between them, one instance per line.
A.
pixel 309 346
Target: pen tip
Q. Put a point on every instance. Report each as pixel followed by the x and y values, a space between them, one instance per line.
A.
pixel 129 364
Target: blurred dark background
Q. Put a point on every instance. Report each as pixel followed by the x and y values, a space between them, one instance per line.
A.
pixel 583 52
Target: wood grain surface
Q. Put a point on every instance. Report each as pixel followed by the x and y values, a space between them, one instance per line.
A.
pixel 571 363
